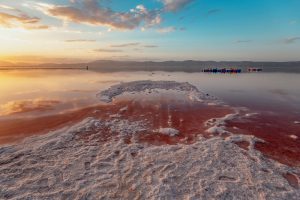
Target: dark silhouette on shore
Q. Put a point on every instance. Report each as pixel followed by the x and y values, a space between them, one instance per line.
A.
pixel 223 70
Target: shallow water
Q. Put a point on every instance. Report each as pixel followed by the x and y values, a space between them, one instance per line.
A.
pixel 161 141
pixel 43 94
pixel 60 90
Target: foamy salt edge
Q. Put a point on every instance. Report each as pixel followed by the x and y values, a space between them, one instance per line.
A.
pixel 217 126
pixel 192 92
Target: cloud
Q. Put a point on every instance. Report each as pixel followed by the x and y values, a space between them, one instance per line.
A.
pixel 2 6
pixel 134 44
pixel 121 56
pixel 17 18
pixel 91 13
pixel 126 45
pixel 37 27
pixel 80 40
pixel 41 59
pixel 166 29
pixel 243 41
pixel 137 49
pixel 24 106
pixel 213 11
pixel 150 46
pixel 108 50
pixel 175 5
pixel 7 19
pixel 291 40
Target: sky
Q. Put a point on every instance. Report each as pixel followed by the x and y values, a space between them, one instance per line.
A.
pixel 70 31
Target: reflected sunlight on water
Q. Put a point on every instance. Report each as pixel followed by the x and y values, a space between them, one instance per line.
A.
pixel 45 92
pixel 38 101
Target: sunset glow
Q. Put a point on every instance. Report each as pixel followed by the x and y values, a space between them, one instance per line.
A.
pixel 150 99
pixel 73 31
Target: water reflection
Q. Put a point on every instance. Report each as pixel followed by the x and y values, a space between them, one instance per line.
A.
pixel 42 92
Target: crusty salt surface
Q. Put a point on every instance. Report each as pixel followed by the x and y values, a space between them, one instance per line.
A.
pixel 59 165
pixel 168 131
pixel 139 86
pixel 72 163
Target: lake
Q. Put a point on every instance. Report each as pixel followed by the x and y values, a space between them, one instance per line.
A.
pixel 234 131
pixel 74 89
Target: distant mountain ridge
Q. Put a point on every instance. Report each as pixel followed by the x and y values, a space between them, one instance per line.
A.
pixel 181 66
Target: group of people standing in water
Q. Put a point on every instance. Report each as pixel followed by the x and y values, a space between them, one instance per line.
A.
pixel 230 70
pixel 223 70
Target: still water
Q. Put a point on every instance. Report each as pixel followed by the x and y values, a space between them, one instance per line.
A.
pixel 31 93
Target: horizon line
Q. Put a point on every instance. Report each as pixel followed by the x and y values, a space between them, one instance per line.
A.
pixel 10 64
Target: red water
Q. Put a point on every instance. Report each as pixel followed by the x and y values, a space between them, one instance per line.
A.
pixel 275 130
pixel 188 118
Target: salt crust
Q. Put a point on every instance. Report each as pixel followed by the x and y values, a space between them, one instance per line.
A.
pixel 61 166
pixel 191 91
pixel 168 131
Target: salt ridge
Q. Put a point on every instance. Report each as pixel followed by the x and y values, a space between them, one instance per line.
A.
pixel 139 86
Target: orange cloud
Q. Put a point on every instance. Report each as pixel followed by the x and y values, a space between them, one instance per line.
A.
pixel 125 45
pixel 108 50
pixel 20 20
pixel 92 13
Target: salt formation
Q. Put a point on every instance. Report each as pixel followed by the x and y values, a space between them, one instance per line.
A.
pixel 218 125
pixel 61 165
pixel 140 86
pixel 168 131
pixel 295 137
pixel 122 127
pixel 94 159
